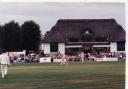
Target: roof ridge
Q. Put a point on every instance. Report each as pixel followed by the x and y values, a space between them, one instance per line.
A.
pixel 85 20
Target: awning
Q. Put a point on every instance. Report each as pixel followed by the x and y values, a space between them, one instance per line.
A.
pixel 101 45
pixel 73 46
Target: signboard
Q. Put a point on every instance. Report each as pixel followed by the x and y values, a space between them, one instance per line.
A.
pixel 106 59
pixel 45 59
pixel 57 60
pixel 110 59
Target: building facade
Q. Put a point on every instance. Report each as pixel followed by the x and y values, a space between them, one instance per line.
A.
pixel 87 35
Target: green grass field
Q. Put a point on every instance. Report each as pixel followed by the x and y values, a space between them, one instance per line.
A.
pixel 88 75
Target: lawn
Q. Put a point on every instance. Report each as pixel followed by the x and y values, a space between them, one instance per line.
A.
pixel 87 75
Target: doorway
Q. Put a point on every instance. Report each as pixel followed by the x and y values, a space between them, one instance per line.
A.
pixel 87 50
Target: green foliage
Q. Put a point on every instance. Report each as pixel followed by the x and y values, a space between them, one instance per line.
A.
pixel 1 37
pixel 31 36
pixel 16 38
pixel 11 36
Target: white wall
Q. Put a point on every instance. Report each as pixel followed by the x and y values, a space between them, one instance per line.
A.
pixel 46 48
pixel 61 48
pixel 113 47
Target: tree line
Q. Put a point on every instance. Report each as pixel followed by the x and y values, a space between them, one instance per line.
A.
pixel 14 37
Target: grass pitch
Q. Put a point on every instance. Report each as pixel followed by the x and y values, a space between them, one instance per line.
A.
pixel 87 75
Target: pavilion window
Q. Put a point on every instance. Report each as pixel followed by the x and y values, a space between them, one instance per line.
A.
pixel 53 47
pixel 121 46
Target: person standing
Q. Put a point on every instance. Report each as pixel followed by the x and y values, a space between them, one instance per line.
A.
pixel 5 62
pixel 68 58
pixel 82 56
pixel 63 59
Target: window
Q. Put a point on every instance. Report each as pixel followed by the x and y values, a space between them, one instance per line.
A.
pixel 87 35
pixel 99 49
pixel 86 32
pixel 121 46
pixel 87 50
pixel 74 49
pixel 53 47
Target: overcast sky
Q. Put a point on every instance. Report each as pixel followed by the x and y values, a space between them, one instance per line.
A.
pixel 47 14
pixel 62 0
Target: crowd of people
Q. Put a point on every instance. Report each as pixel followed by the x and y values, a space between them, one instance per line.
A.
pixel 30 58
pixel 81 56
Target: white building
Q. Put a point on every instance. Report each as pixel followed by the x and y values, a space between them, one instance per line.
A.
pixel 87 35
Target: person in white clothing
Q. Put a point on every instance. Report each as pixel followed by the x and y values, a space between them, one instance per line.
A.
pixel 5 62
pixel 82 56
pixel 63 59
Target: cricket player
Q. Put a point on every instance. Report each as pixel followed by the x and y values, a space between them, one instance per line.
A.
pixel 82 56
pixel 5 62
pixel 63 59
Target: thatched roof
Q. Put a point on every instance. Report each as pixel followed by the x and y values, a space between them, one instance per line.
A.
pixel 74 28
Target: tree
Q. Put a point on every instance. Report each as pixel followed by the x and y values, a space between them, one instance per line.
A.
pixel 11 36
pixel 1 37
pixel 31 36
